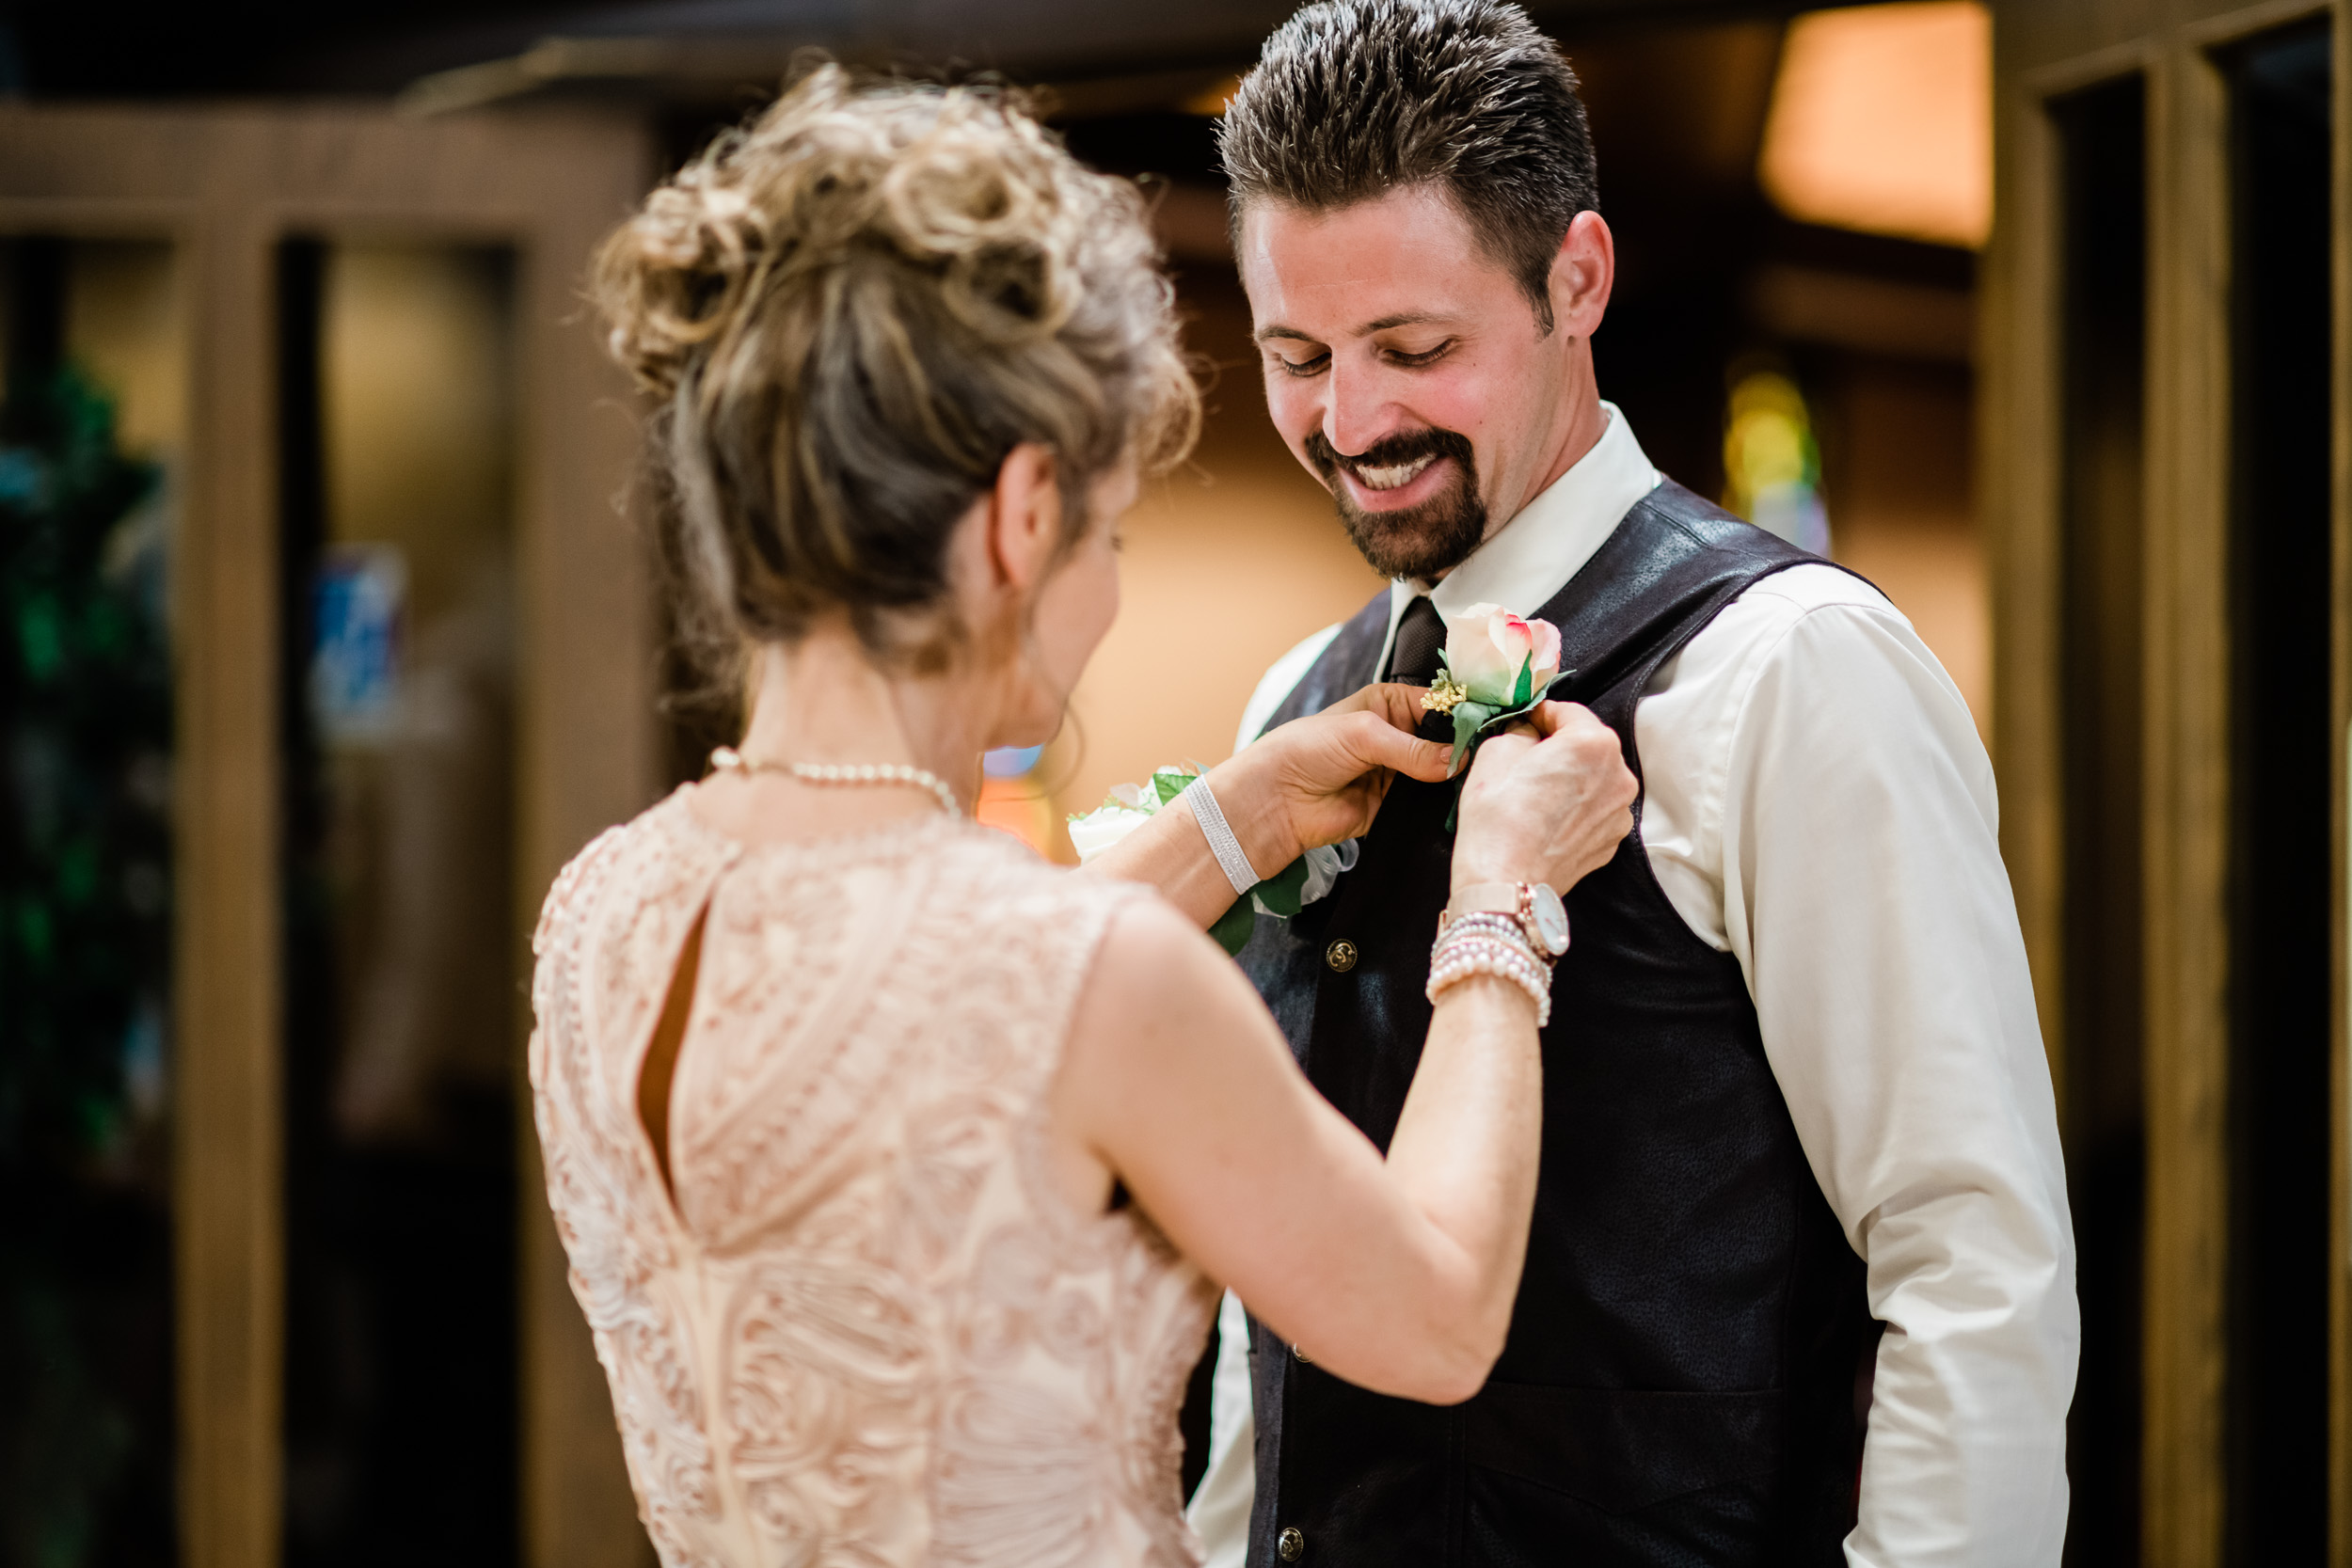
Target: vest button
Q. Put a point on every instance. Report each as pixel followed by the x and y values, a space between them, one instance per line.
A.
pixel 1340 955
pixel 1290 1546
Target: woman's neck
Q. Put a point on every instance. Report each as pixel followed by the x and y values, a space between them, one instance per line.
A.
pixel 823 701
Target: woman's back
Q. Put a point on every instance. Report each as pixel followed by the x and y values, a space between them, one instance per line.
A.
pixel 871 1328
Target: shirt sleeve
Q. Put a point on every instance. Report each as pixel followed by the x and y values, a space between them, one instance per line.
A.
pixel 1219 1509
pixel 1864 894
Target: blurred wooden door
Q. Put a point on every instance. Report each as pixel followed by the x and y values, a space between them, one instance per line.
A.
pixel 2166 491
pixel 229 185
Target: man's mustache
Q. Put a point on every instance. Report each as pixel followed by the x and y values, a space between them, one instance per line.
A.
pixel 1391 452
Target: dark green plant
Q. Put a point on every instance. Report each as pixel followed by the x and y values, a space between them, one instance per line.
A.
pixel 85 741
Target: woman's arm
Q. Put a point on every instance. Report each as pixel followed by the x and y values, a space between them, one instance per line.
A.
pixel 1397 1274
pixel 1316 779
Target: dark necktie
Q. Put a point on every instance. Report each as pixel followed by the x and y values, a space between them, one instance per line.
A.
pixel 1419 638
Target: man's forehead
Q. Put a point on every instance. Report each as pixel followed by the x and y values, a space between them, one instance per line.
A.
pixel 1404 259
pixel 1277 329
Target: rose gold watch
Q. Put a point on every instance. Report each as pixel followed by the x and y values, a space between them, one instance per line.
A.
pixel 1533 905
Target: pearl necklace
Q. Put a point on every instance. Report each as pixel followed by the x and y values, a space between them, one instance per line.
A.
pixel 727 759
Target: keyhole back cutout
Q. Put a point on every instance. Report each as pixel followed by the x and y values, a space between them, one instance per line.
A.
pixel 660 1065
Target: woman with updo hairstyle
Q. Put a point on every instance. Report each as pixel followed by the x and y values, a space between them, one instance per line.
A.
pixel 894 1163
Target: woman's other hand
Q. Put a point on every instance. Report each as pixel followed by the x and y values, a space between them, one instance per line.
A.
pixel 1546 802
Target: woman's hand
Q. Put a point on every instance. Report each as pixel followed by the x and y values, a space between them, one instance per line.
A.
pixel 1316 779
pixel 1546 802
pixel 1321 779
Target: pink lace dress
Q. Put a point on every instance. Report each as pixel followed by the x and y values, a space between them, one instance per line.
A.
pixel 869 1329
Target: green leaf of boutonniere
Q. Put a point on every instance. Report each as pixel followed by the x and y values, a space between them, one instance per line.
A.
pixel 1168 783
pixel 1522 689
pixel 1468 719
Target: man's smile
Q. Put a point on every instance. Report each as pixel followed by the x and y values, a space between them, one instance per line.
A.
pixel 1390 478
pixel 1393 486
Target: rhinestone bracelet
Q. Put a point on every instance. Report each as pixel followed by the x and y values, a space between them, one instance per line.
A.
pixel 1222 844
pixel 1458 958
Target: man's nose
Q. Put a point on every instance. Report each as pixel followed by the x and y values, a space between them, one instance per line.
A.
pixel 1356 414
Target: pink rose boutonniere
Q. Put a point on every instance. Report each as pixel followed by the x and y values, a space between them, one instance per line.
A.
pixel 1498 665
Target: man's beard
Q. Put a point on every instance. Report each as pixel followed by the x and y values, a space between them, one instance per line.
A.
pixel 1420 542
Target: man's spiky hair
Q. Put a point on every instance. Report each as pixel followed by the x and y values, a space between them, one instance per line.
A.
pixel 1352 99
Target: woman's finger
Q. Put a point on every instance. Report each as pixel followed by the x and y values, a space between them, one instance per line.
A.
pixel 1380 744
pixel 1393 701
pixel 1506 746
pixel 1549 716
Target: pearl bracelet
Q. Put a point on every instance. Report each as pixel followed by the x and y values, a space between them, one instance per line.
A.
pixel 1508 954
pixel 1457 958
pixel 1507 927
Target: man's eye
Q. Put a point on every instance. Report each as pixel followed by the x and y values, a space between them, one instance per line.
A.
pixel 1426 357
pixel 1303 367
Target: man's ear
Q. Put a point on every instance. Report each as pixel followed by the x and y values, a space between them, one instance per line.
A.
pixel 1024 516
pixel 1582 274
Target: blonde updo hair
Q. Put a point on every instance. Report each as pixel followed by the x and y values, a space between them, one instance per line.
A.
pixel 852 311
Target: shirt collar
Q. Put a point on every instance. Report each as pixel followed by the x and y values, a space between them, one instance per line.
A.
pixel 1532 557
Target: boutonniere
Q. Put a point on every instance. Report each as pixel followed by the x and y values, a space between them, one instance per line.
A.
pixel 1282 894
pixel 1495 667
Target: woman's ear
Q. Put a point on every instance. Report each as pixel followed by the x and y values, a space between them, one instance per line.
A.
pixel 1024 516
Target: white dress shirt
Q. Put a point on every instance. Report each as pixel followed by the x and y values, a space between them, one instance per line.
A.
pixel 1817 803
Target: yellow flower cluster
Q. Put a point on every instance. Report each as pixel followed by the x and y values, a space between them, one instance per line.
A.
pixel 1444 693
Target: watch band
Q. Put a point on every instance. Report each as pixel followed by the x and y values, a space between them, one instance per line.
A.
pixel 1486 898
pixel 1530 904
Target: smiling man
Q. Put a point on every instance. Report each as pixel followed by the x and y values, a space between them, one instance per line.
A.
pixel 1800 1287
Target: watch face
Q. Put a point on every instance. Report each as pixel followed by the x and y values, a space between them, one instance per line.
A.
pixel 1552 919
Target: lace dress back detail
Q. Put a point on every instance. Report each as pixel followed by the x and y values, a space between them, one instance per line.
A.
pixel 869 1329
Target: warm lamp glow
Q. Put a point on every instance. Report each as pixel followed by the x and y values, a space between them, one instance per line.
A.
pixel 1882 120
pixel 1210 100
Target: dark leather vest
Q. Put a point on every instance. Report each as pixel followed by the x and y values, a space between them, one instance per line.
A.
pixel 1680 1381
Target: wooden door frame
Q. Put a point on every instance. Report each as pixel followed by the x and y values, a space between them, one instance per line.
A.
pixel 225 183
pixel 2044 49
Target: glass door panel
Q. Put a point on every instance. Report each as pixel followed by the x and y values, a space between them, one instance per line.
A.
pixel 2102 266
pixel 2280 526
pixel 402 1038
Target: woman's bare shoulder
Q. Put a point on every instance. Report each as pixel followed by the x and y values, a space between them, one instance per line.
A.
pixel 1161 998
pixel 1151 953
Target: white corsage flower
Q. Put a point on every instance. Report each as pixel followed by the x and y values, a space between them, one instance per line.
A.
pixel 1105 826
